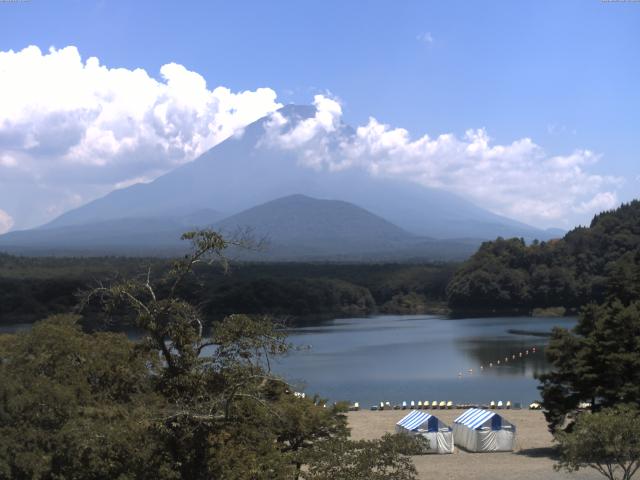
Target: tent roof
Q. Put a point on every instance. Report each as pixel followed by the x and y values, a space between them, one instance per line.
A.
pixel 474 417
pixel 414 419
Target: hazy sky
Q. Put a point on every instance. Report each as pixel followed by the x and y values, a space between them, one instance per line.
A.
pixel 499 101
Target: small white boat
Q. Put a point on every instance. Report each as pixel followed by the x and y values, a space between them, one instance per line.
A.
pixel 500 404
pixel 404 405
pixel 413 405
pixel 492 404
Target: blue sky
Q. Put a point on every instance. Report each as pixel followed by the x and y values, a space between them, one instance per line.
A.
pixel 565 74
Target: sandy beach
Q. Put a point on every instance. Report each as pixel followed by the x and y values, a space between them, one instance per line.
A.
pixel 531 460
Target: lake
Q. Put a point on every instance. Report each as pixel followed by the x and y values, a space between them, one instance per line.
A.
pixel 399 358
pixel 419 357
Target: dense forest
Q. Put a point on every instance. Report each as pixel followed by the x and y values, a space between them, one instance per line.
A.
pixel 32 288
pixel 506 275
pixel 99 405
pixel 588 265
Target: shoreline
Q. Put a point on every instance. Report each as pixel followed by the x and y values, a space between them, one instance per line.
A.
pixel 532 459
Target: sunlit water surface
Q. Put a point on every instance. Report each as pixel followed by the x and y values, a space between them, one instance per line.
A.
pixel 399 358
pixel 419 357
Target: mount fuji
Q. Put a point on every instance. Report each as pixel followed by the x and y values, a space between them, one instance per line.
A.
pixel 245 182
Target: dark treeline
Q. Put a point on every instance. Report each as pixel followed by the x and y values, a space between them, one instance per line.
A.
pixel 32 288
pixel 99 405
pixel 587 265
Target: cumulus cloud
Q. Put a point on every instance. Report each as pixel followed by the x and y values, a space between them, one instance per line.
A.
pixel 313 137
pixel 6 222
pixel 66 121
pixel 518 179
pixel 72 129
pixel 600 201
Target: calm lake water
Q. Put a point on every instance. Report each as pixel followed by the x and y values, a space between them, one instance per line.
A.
pixel 419 357
pixel 399 358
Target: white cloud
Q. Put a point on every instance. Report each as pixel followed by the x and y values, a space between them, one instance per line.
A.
pixel 309 135
pixel 132 181
pixel 68 121
pixel 7 161
pixel 72 130
pixel 6 222
pixel 425 37
pixel 325 120
pixel 600 201
pixel 518 179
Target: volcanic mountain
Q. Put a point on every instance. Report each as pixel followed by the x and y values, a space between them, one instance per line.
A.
pixel 271 190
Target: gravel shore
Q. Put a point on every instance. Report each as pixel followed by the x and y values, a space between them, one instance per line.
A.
pixel 532 460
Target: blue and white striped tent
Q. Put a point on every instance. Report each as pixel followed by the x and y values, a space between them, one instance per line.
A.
pixel 478 430
pixel 422 423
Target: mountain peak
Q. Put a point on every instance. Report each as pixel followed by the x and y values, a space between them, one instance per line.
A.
pixel 244 171
pixel 295 197
pixel 302 112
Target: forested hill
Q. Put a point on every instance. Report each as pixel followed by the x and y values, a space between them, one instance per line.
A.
pixel 31 288
pixel 587 265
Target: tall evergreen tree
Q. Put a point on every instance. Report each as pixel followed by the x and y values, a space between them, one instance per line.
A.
pixel 598 362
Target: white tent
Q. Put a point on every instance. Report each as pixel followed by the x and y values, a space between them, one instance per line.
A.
pixel 478 430
pixel 424 424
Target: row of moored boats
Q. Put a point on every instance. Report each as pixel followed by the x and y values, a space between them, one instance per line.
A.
pixel 445 405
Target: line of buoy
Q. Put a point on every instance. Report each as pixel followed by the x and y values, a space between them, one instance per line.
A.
pixel 502 361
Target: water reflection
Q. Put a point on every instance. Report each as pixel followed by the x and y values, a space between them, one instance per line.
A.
pixel 414 357
pixel 488 352
pixel 399 358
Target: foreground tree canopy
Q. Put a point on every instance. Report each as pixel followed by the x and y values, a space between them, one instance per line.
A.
pixel 178 404
pixel 608 442
pixel 597 363
pixel 587 265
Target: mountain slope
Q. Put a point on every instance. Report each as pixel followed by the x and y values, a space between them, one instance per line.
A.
pixel 130 236
pixel 296 228
pixel 323 226
pixel 243 172
pixel 301 228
